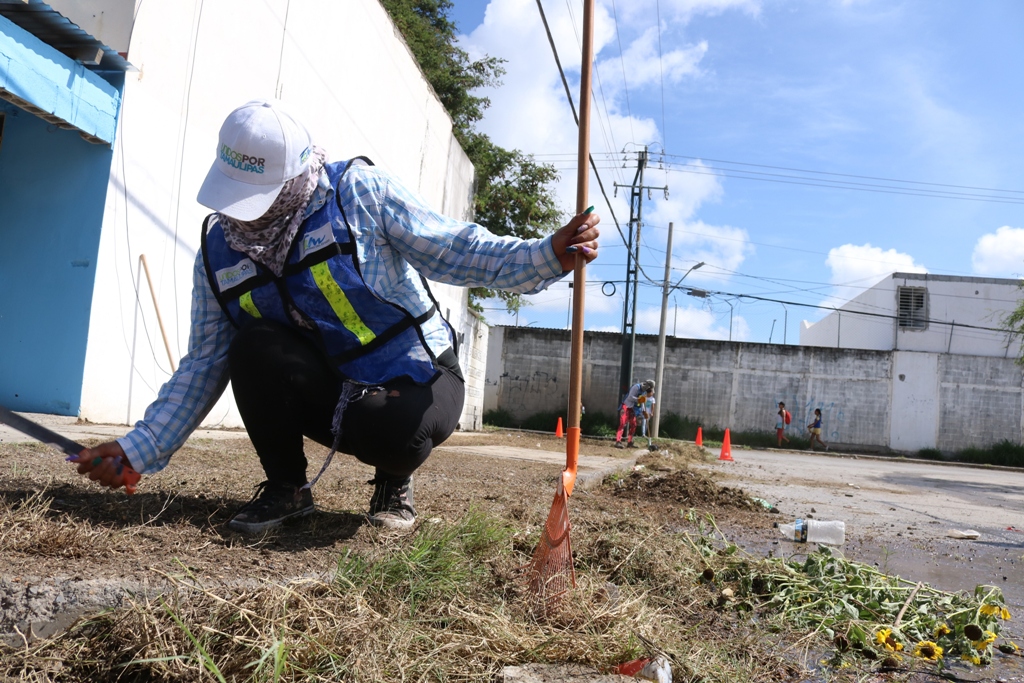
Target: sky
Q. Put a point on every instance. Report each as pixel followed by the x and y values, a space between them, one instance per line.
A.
pixel 752 111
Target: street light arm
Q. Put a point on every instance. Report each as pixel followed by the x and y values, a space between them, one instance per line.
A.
pixel 695 267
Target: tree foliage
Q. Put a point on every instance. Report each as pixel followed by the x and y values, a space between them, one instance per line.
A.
pixel 1014 325
pixel 514 193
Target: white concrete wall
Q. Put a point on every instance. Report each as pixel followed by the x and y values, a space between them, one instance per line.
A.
pixel 495 368
pixel 959 301
pixel 898 400
pixel 915 401
pixel 341 64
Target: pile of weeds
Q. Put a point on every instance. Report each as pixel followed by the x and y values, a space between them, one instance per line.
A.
pixel 867 615
pixel 449 602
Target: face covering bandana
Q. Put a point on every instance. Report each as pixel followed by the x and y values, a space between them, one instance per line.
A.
pixel 268 238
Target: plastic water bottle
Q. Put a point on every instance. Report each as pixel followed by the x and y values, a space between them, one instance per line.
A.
pixel 815 531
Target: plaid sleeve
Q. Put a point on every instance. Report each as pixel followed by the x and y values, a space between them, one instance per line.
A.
pixel 461 253
pixel 189 395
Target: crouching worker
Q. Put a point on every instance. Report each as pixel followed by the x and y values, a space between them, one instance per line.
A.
pixel 309 296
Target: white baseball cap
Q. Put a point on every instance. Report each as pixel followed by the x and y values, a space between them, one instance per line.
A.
pixel 260 148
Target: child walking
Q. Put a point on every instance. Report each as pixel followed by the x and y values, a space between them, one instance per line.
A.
pixel 815 429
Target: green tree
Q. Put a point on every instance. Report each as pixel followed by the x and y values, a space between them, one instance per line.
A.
pixel 1014 325
pixel 514 194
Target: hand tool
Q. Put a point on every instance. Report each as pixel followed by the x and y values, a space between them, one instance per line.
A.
pixel 62 443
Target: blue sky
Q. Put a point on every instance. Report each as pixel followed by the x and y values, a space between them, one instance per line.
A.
pixel 920 91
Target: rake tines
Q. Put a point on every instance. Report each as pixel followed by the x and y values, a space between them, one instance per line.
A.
pixel 551 570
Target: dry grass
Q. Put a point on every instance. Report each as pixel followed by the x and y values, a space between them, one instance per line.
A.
pixel 444 604
pixel 29 525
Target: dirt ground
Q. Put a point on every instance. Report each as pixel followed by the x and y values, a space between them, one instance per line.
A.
pixel 69 548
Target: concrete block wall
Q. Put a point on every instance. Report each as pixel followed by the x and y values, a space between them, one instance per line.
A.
pixel 981 401
pixel 966 401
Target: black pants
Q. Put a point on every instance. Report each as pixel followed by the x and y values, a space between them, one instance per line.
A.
pixel 285 389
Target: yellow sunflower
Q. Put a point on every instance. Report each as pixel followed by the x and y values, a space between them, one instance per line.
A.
pixel 1004 614
pixel 971 657
pixel 885 638
pixel 928 650
pixel 988 639
pixel 989 610
pixel 942 630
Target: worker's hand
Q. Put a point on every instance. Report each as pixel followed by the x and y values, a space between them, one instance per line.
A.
pixel 108 465
pixel 579 236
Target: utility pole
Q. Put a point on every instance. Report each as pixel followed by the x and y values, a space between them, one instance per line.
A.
pixel 633 269
pixel 659 371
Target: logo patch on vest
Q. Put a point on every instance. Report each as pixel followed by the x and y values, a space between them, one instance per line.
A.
pixel 233 276
pixel 316 240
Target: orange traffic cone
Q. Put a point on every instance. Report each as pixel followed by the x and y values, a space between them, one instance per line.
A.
pixel 726 448
pixel 700 437
pixel 558 429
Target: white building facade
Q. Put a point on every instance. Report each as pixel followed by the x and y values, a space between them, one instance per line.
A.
pixel 342 65
pixel 926 313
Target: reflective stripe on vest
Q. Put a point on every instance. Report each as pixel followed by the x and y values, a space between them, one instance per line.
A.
pixel 339 303
pixel 248 305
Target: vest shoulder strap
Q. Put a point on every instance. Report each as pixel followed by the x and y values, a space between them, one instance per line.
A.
pixel 211 279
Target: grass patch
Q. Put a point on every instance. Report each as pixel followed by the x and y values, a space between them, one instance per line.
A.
pixel 591 424
pixel 1005 453
pixel 29 525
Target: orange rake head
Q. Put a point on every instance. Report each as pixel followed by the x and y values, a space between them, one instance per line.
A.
pixel 551 570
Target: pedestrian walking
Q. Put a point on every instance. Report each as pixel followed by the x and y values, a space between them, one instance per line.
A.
pixel 784 418
pixel 815 429
pixel 310 297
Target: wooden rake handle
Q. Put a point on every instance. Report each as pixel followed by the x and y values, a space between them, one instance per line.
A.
pixel 579 284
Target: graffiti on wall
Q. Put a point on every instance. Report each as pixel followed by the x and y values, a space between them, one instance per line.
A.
pixel 527 394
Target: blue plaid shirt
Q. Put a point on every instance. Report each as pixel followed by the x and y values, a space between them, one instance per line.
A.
pixel 397 237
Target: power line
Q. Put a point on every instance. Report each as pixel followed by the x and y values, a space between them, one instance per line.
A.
pixel 622 61
pixel 576 118
pixel 695 169
pixel 845 175
pixel 840 185
pixel 661 73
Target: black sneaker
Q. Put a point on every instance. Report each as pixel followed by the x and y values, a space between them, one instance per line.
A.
pixel 630 445
pixel 272 504
pixel 618 444
pixel 391 505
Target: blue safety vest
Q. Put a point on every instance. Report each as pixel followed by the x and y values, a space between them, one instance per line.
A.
pixel 367 339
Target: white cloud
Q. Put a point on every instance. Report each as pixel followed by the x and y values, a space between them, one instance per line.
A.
pixel 640 11
pixel 693 322
pixel 1000 253
pixel 721 247
pixel 866 265
pixel 641 61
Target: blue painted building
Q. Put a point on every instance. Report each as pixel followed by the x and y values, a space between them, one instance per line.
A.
pixel 60 95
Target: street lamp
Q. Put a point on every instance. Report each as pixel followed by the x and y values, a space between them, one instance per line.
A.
pixel 729 304
pixel 695 267
pixel 785 323
pixel 675 315
pixel 659 369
